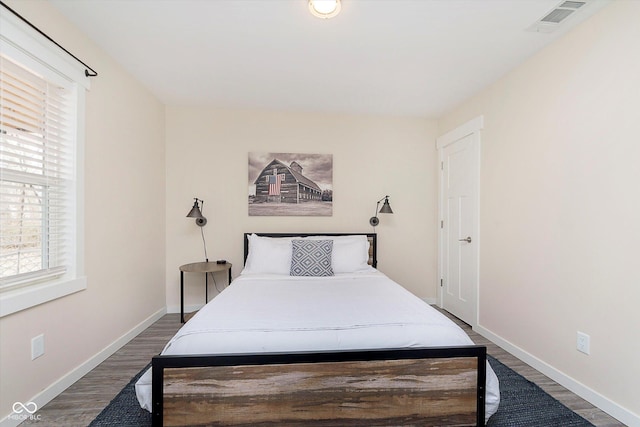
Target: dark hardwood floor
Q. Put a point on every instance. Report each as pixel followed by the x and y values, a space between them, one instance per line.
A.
pixel 83 401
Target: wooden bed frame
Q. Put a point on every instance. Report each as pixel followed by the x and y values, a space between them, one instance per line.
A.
pixel 426 386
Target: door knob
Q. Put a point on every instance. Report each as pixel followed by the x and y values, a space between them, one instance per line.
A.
pixel 468 240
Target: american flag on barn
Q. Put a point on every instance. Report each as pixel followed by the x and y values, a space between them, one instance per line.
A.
pixel 275 182
pixel 286 184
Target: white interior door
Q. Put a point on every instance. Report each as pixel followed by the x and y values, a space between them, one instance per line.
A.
pixel 459 237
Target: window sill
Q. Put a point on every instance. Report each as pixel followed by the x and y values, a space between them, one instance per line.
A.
pixel 23 298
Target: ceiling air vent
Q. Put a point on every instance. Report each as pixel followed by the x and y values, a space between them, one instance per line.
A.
pixel 555 17
pixel 572 4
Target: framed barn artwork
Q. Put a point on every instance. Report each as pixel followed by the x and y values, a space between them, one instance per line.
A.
pixel 290 184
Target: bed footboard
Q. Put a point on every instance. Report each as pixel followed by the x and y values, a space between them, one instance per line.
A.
pixel 428 386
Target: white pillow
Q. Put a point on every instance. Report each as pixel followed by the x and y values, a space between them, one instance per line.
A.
pixel 268 255
pixel 350 253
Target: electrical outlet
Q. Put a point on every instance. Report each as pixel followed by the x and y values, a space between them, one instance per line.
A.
pixel 37 346
pixel 583 343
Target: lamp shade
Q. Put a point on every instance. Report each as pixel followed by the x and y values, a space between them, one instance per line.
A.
pixel 195 211
pixel 386 207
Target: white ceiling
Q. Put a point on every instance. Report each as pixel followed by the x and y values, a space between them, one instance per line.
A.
pixel 392 57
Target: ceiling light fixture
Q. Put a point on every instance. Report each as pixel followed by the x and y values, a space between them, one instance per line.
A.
pixel 324 9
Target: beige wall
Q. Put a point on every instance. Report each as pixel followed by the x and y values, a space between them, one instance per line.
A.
pixel 372 157
pixel 559 203
pixel 560 198
pixel 124 213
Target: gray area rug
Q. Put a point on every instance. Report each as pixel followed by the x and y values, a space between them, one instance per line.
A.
pixel 523 404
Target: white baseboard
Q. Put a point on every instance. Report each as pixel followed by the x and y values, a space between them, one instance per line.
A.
pixel 430 301
pixel 620 413
pixel 63 383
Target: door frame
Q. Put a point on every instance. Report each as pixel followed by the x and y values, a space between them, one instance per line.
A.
pixel 472 127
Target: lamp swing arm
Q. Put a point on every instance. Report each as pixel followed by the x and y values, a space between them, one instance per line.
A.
pixel 386 208
pixel 378 204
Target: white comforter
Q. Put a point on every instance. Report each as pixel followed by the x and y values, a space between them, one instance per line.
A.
pixel 269 313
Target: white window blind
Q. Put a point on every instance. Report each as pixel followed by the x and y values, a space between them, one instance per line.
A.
pixel 42 103
pixel 36 175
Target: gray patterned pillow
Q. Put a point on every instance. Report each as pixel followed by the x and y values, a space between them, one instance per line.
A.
pixel 311 258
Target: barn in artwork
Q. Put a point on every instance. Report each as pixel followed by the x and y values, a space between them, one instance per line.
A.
pixel 279 183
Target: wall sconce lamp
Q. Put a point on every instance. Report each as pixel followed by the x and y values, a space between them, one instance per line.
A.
pixel 196 213
pixel 201 221
pixel 324 9
pixel 386 209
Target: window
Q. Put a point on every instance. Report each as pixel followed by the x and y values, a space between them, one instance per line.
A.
pixel 35 175
pixel 41 118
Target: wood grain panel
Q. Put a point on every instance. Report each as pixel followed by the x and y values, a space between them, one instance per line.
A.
pixel 383 392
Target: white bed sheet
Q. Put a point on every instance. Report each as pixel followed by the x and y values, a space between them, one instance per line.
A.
pixel 273 313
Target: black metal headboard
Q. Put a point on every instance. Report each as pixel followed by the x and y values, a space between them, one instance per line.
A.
pixel 372 237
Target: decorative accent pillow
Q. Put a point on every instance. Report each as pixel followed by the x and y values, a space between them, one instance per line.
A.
pixel 311 258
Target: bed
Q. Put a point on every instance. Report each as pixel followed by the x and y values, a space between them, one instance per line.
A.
pixel 312 334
